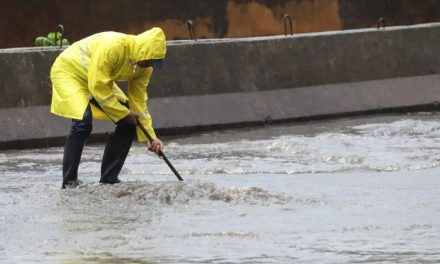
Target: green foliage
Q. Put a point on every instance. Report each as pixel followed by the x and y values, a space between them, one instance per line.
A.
pixel 51 41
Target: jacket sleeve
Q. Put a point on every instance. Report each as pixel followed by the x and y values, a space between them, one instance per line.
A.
pixel 137 96
pixel 100 83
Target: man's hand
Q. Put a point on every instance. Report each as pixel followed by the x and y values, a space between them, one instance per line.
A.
pixel 131 118
pixel 155 146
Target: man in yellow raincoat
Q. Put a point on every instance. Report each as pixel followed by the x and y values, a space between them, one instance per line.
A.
pixel 83 79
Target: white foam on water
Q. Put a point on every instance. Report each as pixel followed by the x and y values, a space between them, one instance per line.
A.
pixel 397 146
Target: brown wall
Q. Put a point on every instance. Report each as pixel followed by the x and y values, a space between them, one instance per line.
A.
pixel 23 20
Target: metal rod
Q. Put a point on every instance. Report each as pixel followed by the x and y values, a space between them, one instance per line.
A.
pixel 287 17
pixel 60 28
pixel 192 32
pixel 161 154
pixel 381 21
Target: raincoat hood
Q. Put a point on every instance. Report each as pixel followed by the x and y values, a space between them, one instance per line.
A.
pixel 149 45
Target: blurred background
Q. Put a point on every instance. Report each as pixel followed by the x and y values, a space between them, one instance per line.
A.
pixel 23 20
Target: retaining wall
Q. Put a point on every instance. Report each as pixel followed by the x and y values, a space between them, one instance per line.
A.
pixel 234 82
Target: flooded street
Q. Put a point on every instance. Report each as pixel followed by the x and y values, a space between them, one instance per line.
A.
pixel 364 190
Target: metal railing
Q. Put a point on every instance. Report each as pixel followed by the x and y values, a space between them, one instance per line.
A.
pixel 191 30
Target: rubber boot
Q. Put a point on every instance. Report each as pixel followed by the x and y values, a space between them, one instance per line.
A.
pixel 72 156
pixel 115 153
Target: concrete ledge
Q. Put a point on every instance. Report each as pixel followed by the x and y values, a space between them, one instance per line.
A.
pixel 251 64
pixel 297 103
pixel 35 126
pixel 234 82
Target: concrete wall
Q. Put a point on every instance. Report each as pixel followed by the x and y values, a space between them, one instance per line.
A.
pixel 23 20
pixel 233 82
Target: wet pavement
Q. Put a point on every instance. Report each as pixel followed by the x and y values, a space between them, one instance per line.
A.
pixel 362 190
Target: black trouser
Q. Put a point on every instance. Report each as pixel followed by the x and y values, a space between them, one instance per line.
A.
pixel 115 153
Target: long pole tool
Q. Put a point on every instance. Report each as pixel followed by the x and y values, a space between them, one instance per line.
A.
pixel 161 154
pixel 95 103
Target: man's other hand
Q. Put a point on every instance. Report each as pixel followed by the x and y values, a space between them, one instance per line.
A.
pixel 155 146
pixel 131 118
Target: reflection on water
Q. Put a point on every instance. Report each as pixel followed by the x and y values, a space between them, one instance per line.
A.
pixel 345 191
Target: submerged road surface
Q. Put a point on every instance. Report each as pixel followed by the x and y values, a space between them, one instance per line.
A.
pixel 346 191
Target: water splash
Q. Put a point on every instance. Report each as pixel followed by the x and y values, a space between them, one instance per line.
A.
pixel 402 145
pixel 171 193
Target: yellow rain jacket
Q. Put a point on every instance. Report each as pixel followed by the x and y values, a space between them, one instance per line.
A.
pixel 89 68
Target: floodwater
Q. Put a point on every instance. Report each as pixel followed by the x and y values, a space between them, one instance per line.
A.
pixel 360 190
